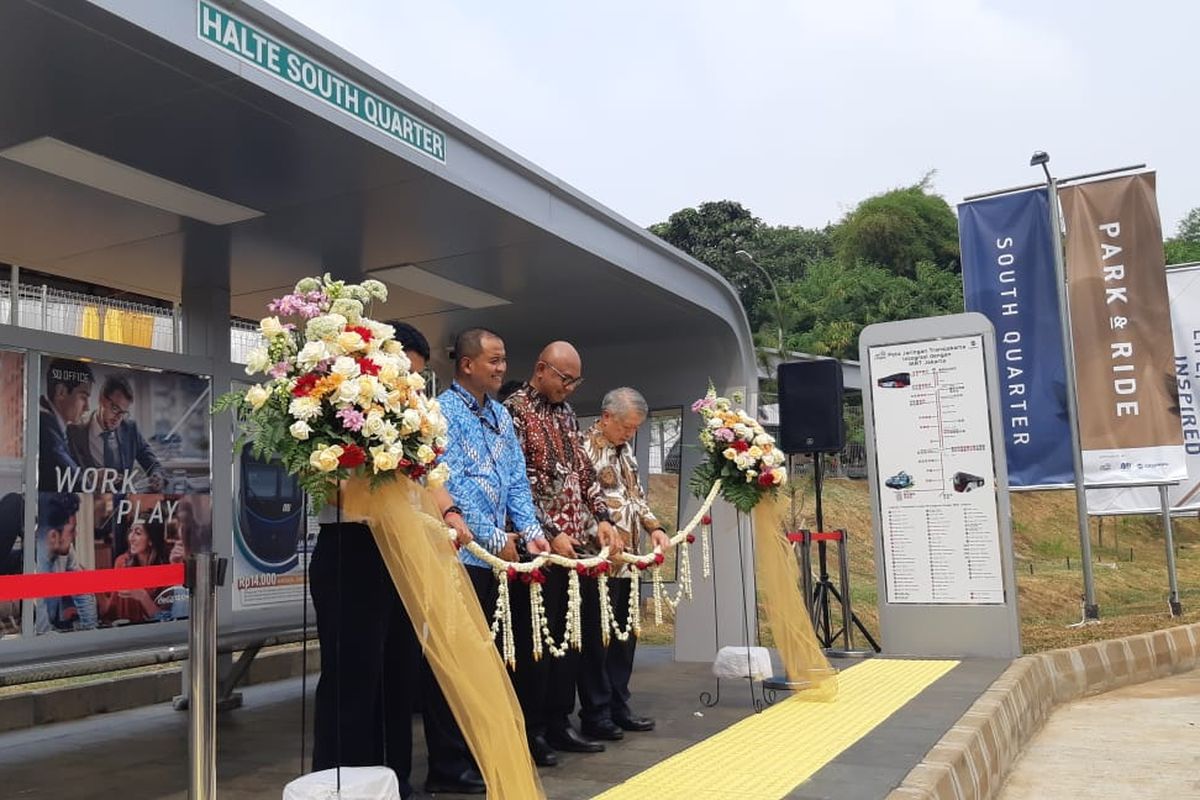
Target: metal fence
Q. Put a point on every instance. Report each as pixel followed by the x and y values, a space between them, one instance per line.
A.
pixel 45 308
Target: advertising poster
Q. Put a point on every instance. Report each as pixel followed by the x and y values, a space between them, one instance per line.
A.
pixel 12 481
pixel 1183 289
pixel 124 481
pixel 1129 424
pixel 937 487
pixel 272 536
pixel 1009 276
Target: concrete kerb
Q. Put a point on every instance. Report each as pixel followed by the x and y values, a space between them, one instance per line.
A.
pixel 117 693
pixel 972 760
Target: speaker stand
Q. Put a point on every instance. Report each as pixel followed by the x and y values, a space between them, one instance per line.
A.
pixel 823 589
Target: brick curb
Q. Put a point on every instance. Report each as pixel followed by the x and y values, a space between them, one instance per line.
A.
pixel 972 760
pixel 103 695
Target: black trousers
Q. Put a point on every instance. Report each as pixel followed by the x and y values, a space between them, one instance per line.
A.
pixel 604 672
pixel 372 673
pixel 545 688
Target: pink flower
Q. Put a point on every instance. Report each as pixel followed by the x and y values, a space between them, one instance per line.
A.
pixel 352 419
pixel 703 402
pixel 279 370
pixel 723 434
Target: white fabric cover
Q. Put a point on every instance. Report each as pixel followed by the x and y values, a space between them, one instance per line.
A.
pixel 733 662
pixel 358 783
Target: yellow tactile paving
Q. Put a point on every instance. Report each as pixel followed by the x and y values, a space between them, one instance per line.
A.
pixel 731 764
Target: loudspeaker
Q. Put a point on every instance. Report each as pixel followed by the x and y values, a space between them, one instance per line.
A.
pixel 810 407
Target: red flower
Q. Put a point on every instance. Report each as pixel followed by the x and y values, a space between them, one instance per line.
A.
pixel 740 445
pixel 537 576
pixel 581 569
pixel 512 573
pixel 416 471
pixel 367 367
pixel 352 456
pixel 365 333
pixel 659 558
pixel 691 538
pixel 766 480
pixel 706 520
pixel 305 384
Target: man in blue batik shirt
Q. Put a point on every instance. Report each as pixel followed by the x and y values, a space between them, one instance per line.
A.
pixel 490 488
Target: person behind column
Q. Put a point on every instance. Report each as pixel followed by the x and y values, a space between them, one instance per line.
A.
pixel 370 669
pixel 604 672
pixel 567 499
pixel 489 486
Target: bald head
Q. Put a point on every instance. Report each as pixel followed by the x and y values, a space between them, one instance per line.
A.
pixel 558 371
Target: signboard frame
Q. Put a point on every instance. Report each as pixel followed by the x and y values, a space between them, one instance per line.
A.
pixel 945 629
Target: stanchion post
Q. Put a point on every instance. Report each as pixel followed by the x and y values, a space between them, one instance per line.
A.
pixel 204 572
pixel 1169 537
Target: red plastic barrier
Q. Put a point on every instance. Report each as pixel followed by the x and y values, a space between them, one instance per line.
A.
pixel 797 537
pixel 61 584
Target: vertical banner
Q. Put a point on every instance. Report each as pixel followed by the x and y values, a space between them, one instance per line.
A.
pixel 124 481
pixel 1129 423
pixel 1183 287
pixel 1008 276
pixel 272 536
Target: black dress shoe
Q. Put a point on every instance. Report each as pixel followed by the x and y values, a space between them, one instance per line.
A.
pixel 469 782
pixel 569 740
pixel 634 723
pixel 603 729
pixel 543 754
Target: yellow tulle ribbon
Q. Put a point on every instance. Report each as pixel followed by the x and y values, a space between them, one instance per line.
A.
pixel 449 624
pixel 787 613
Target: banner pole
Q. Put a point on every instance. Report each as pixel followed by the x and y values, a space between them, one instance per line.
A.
pixel 1091 610
pixel 1169 536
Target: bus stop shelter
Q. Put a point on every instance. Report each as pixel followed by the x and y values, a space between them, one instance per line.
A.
pixel 209 155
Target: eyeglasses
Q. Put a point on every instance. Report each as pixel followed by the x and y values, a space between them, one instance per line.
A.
pixel 116 410
pixel 568 381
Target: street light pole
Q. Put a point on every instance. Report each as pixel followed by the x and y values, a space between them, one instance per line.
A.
pixel 742 254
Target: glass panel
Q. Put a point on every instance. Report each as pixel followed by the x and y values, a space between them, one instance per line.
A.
pixel 662 472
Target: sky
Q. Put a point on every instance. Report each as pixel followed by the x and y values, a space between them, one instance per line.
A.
pixel 799 110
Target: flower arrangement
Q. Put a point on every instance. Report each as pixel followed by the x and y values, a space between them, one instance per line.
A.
pixel 339 396
pixel 740 454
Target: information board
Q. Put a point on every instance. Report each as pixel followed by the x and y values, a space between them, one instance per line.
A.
pixel 934 453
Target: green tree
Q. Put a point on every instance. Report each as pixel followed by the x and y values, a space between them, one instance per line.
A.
pixel 900 229
pixel 1184 246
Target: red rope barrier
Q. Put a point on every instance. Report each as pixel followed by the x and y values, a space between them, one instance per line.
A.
pixel 61 584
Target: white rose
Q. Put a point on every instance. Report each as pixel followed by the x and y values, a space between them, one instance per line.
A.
pixel 350 341
pixel 310 355
pixel 741 431
pixel 425 454
pixel 742 461
pixel 300 430
pixel 416 382
pixel 326 460
pixel 256 395
pixel 755 452
pixel 750 475
pixel 257 360
pixel 271 327
pixel 730 453
pixel 715 422
pixel 438 475
pixel 410 421
pixel 373 424
pixel 384 458
pixel 370 390
pixel 304 408
pixel 388 433
pixel 762 439
pixel 346 367
pixel 779 476
pixel 348 391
